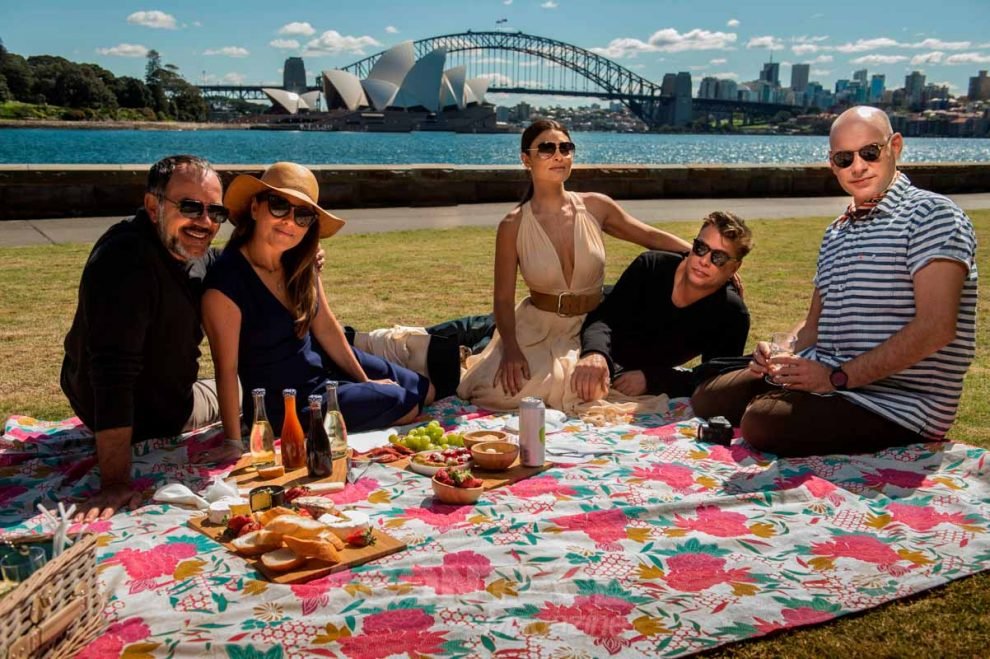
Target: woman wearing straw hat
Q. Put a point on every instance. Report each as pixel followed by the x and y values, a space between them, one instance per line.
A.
pixel 268 320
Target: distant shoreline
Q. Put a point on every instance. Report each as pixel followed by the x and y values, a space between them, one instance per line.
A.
pixel 119 125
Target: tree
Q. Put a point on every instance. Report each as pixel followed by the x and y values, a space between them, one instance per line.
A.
pixel 20 79
pixel 79 87
pixel 152 78
pixel 5 94
pixel 132 93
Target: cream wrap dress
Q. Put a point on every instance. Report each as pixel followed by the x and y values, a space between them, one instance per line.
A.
pixel 550 343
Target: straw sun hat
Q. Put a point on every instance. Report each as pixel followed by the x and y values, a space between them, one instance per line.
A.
pixel 287 179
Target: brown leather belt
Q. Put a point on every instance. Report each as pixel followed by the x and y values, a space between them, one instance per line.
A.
pixel 566 304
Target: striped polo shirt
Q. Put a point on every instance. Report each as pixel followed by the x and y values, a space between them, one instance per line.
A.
pixel 864 278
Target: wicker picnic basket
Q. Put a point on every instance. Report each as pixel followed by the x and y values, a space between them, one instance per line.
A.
pixel 58 610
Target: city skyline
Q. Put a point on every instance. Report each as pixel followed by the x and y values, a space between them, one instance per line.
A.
pixel 720 39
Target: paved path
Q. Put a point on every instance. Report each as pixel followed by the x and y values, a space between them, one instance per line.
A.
pixel 18 233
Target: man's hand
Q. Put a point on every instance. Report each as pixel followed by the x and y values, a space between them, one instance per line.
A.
pixel 590 377
pixel 760 364
pixel 513 372
pixel 803 374
pixel 321 258
pixel 107 502
pixel 230 451
pixel 631 383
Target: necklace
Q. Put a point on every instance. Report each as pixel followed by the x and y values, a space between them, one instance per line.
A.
pixel 271 272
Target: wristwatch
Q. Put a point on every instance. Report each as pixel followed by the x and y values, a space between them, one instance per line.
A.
pixel 838 378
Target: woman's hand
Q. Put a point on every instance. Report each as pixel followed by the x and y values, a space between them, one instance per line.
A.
pixel 513 372
pixel 760 364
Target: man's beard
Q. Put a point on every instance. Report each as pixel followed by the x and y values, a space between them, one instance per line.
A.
pixel 171 243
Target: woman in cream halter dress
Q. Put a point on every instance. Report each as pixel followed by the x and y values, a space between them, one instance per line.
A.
pixel 549 344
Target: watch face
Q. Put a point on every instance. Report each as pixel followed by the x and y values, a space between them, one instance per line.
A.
pixel 839 378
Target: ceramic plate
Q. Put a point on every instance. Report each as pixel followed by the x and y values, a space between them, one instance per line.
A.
pixel 555 420
pixel 429 470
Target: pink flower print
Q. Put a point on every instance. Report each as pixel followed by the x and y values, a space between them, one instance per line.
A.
pixel 714 521
pixel 604 618
pixel 403 632
pixel 440 515
pixel 605 527
pixel 898 478
pixel 461 573
pixel 678 477
pixel 694 572
pixel 111 643
pixel 530 488
pixel 99 526
pixel 818 487
pixel 798 617
pixel 922 518
pixel 355 492
pixel 316 594
pixel 144 566
pixel 866 548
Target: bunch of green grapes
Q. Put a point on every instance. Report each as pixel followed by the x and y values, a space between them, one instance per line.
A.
pixel 428 438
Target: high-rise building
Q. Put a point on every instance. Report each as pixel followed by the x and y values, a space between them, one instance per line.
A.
pixel 726 90
pixel 877 88
pixel 708 87
pixel 771 73
pixel 294 75
pixel 799 77
pixel 914 86
pixel 669 84
pixel 979 87
pixel 860 76
pixel 683 108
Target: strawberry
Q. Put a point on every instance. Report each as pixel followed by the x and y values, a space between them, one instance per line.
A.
pixel 295 492
pixel 236 523
pixel 473 482
pixel 247 528
pixel 361 538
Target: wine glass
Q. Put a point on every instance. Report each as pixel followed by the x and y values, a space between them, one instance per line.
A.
pixel 781 344
pixel 21 563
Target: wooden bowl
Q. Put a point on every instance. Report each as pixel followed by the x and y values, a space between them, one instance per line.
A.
pixel 457 496
pixel 477 436
pixel 494 456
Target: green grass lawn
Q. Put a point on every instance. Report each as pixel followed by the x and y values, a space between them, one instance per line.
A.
pixel 421 277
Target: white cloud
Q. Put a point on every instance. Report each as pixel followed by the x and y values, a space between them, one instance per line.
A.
pixel 822 59
pixel 806 39
pixel 156 19
pixel 933 57
pixel 299 29
pixel 821 72
pixel 769 42
pixel 718 60
pixel 668 40
pixel 698 67
pixel 506 2
pixel 728 75
pixel 805 48
pixel 197 24
pixel 732 22
pixel 939 44
pixel 228 51
pixel 332 42
pixel 549 4
pixel 863 45
pixel 498 79
pixel 500 60
pixel 234 78
pixel 391 29
pixel 285 44
pixel 967 58
pixel 879 59
pixel 124 50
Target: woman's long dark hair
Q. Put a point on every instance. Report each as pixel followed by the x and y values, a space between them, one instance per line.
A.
pixel 298 265
pixel 530 134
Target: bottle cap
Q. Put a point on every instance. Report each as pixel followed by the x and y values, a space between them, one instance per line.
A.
pixel 288 392
pixel 258 392
pixel 316 399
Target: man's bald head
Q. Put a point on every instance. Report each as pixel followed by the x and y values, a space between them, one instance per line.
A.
pixel 875 118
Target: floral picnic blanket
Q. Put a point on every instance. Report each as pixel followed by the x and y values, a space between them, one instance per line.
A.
pixel 651 544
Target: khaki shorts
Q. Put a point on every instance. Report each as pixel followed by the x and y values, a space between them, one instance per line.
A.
pixel 206 405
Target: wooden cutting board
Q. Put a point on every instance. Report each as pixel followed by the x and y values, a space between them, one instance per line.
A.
pixel 247 478
pixel 492 479
pixel 312 569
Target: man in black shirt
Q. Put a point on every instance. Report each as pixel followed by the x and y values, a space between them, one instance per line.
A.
pixel 665 310
pixel 132 354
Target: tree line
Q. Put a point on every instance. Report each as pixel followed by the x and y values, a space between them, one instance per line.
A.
pixel 88 91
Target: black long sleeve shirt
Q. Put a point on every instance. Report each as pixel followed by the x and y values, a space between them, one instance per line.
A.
pixel 132 353
pixel 638 327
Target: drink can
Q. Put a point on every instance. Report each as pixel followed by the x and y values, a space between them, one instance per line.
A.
pixel 532 432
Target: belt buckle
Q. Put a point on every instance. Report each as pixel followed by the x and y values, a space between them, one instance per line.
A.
pixel 560 300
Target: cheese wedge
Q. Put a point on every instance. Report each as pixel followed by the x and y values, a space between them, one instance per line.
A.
pixel 346 522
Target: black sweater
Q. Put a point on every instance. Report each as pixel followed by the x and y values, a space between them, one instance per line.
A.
pixel 132 354
pixel 638 327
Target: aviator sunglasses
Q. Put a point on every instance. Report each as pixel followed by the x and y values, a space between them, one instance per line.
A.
pixel 547 149
pixel 719 257
pixel 280 207
pixel 193 210
pixel 869 153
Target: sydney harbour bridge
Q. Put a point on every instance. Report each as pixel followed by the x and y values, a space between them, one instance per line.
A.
pixel 520 63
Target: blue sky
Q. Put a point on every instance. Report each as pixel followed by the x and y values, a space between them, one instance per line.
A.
pixel 246 41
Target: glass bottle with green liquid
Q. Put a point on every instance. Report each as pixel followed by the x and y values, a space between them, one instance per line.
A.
pixel 262 436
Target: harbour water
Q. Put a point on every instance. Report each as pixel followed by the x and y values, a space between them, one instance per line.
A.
pixel 75 146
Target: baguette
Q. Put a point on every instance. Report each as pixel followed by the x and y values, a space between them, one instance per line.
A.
pixel 268 515
pixel 282 560
pixel 256 542
pixel 296 525
pixel 318 548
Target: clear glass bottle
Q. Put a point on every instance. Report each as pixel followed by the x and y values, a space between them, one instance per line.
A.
pixel 293 438
pixel 262 436
pixel 334 425
pixel 319 464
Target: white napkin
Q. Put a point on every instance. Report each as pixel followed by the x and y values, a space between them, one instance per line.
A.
pixel 180 494
pixel 219 489
pixel 569 446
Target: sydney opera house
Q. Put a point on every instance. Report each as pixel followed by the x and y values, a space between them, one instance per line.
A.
pixel 400 94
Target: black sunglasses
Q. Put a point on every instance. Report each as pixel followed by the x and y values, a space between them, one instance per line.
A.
pixel 547 149
pixel 193 209
pixel 719 257
pixel 280 207
pixel 869 153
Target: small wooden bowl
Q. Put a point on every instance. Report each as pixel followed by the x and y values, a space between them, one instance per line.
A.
pixel 494 456
pixel 477 436
pixel 457 496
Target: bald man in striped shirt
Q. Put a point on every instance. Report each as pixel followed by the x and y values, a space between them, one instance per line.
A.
pixel 891 330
